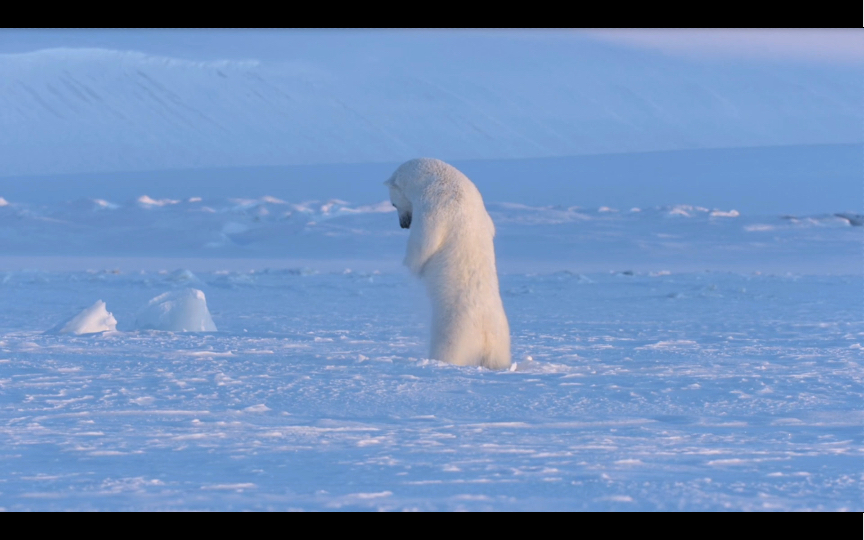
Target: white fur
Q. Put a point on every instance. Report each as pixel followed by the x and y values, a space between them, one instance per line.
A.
pixel 450 248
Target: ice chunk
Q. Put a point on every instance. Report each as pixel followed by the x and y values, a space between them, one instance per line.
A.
pixel 177 311
pixel 92 320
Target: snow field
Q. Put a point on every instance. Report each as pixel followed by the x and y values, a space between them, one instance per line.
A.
pixel 672 391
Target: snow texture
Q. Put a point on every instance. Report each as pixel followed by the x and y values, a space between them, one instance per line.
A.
pixel 177 311
pixel 673 391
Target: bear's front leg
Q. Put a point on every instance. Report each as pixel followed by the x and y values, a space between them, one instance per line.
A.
pixel 424 241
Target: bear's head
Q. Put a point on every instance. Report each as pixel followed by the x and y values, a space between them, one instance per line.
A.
pixel 400 200
pixel 424 184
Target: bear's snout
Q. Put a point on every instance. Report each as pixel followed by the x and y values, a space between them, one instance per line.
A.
pixel 405 220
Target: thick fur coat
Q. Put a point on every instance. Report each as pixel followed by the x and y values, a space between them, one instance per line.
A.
pixel 450 248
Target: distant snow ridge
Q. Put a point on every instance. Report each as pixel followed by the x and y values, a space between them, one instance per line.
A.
pixel 102 204
pixel 686 210
pixel 146 202
pixel 177 311
pixel 501 97
pixel 268 227
pixel 856 220
pixel 182 276
pixel 92 320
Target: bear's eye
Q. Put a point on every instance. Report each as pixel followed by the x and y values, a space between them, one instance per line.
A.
pixel 394 206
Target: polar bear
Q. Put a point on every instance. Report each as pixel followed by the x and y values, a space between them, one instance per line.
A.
pixel 450 248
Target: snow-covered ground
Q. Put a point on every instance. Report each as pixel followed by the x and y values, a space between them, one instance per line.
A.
pixel 645 391
pixel 681 358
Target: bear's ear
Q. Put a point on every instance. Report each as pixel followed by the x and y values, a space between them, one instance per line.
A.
pixel 390 182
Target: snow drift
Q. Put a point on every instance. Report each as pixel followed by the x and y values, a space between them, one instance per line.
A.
pixel 177 311
pixel 92 320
